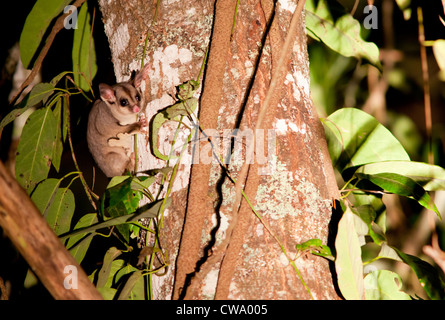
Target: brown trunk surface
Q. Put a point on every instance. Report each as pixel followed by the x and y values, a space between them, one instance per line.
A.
pixel 243 259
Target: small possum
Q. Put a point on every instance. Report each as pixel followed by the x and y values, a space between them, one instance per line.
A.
pixel 113 121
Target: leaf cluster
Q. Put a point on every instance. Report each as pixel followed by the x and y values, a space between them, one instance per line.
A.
pixel 373 163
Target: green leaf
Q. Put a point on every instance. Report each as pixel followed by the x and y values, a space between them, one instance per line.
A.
pixel 439 54
pixel 142 183
pixel 342 35
pixel 348 262
pixel 403 186
pixel 426 274
pixel 37 21
pixel 183 108
pixel 79 244
pixel 316 247
pixel 84 52
pixel 355 138
pixel 124 272
pixel 56 79
pixel 187 90
pixel 430 177
pixel 404 6
pixel 362 199
pixel 388 252
pixel 384 285
pixel 116 181
pixel 61 211
pixel 106 273
pixel 159 119
pixel 133 285
pixel 367 215
pixel 121 200
pixel 151 212
pixel 309 244
pixel 107 293
pixel 122 197
pixel 35 149
pixel 39 93
pixel 44 194
pixel 56 204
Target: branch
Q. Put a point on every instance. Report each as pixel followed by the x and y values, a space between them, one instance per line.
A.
pixel 42 249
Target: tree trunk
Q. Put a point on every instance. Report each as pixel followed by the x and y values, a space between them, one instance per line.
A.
pixel 217 246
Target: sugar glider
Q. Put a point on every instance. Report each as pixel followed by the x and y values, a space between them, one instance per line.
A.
pixel 112 121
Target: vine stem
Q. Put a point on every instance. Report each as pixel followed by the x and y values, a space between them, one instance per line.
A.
pixel 88 191
pixel 426 85
pixel 135 146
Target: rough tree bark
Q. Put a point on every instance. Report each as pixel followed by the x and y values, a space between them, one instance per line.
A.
pixel 218 248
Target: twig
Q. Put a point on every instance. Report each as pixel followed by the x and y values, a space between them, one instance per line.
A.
pixel 354 8
pixel 82 179
pixel 234 21
pixel 426 86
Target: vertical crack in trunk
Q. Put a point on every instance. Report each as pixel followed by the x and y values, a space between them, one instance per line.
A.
pixel 199 204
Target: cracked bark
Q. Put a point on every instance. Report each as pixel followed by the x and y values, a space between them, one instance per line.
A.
pixel 294 199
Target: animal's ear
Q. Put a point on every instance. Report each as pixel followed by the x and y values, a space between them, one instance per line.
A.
pixel 141 75
pixel 107 93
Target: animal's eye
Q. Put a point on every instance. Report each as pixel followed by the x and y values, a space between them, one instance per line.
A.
pixel 124 102
pixel 138 97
